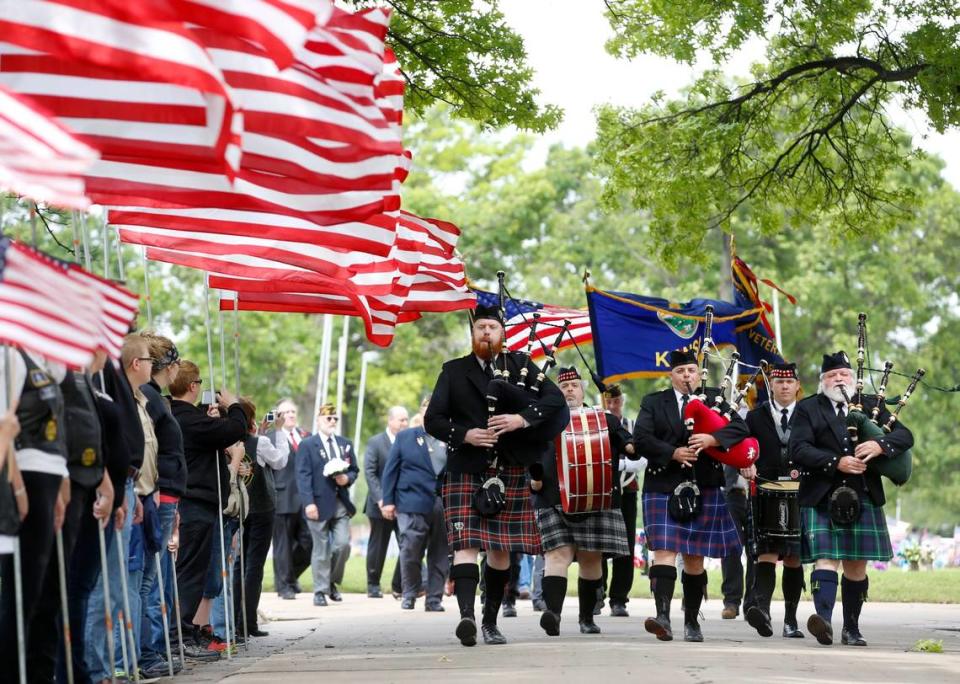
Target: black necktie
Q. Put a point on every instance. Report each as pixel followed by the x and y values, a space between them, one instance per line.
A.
pixel 330 452
pixel 488 369
pixel 783 420
pixel 841 412
pixel 683 406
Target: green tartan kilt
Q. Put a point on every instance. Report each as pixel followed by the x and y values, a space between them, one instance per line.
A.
pixel 866 539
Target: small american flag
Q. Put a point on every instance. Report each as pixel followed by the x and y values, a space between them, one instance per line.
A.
pixel 519 315
pixel 44 310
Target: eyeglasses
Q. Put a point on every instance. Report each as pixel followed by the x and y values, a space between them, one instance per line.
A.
pixel 145 358
pixel 198 381
pixel 333 419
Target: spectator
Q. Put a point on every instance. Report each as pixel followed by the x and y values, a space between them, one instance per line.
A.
pixel 292 543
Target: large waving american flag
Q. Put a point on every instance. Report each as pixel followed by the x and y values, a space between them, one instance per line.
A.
pixel 519 318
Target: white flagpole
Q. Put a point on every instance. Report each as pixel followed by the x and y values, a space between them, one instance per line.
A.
pixel 146 287
pixel 322 368
pixel 360 395
pixel 776 320
pixel 120 270
pixel 106 250
pixel 341 371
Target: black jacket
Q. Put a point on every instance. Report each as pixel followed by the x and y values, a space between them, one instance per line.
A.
pixel 771 464
pixel 549 494
pixel 818 440
pixel 171 461
pixel 118 387
pixel 659 430
pixel 203 440
pixel 116 458
pixel 285 479
pixel 459 403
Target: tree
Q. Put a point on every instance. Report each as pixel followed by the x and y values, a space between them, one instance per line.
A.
pixel 809 131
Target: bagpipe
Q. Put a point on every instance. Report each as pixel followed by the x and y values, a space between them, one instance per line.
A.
pixel 701 418
pixel 861 427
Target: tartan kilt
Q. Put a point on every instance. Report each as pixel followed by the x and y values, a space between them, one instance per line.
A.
pixel 866 539
pixel 712 533
pixel 513 529
pixel 602 531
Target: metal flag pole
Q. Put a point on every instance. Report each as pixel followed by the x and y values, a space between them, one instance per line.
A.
pixel 163 613
pixel 322 368
pixel 106 249
pixel 64 607
pixel 776 320
pixel 123 641
pixel 223 346
pixel 146 287
pixel 228 616
pixel 223 551
pixel 17 574
pixel 127 621
pixel 120 270
pixel 243 574
pixel 176 607
pixel 105 577
pixel 341 371
pixel 360 393
pixel 236 340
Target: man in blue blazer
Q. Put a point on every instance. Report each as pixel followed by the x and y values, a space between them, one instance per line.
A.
pixel 410 494
pixel 326 467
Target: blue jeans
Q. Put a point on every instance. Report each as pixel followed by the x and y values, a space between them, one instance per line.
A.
pixel 153 647
pixel 98 664
pixel 526 572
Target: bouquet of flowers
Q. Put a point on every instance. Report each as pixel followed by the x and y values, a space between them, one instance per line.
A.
pixel 334 467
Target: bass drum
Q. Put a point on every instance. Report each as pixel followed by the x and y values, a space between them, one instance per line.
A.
pixel 585 463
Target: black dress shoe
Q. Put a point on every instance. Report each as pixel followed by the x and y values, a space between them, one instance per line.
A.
pixel 852 637
pixel 692 633
pixel 821 629
pixel 618 610
pixel 408 604
pixel 791 631
pixel 257 632
pixel 509 610
pixel 492 635
pixel 550 622
pixel 539 605
pixel 589 627
pixel 288 595
pixel 374 592
pixel 433 608
pixel 760 621
pixel 335 593
pixel 467 631
pixel 319 599
pixel 659 627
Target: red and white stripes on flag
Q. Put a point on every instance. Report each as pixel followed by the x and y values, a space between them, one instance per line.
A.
pixel 44 310
pixel 118 308
pixel 40 158
pixel 550 322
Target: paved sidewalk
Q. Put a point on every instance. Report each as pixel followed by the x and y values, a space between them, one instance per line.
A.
pixel 367 640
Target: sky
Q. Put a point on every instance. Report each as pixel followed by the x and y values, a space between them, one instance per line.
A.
pixel 565 46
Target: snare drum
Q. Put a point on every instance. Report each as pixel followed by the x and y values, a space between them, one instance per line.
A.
pixel 585 469
pixel 777 511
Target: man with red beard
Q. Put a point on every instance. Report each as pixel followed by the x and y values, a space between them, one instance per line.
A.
pixel 481 449
pixel 841 497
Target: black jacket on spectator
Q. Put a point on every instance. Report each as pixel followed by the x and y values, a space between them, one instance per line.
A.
pixel 203 440
pixel 659 430
pixel 116 458
pixel 118 387
pixel 171 462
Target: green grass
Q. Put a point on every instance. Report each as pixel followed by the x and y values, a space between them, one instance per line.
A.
pixel 890 586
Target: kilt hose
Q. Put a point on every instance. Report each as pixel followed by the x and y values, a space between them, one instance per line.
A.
pixel 713 533
pixel 602 531
pixel 866 539
pixel 513 529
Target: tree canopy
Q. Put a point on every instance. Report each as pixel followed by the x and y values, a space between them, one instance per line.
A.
pixel 806 139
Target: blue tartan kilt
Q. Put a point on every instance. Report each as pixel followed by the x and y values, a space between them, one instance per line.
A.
pixel 713 533
pixel 866 539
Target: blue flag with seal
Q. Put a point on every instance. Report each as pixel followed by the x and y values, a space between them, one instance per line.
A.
pixel 633 335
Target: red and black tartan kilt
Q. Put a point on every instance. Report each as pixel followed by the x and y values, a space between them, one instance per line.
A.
pixel 513 529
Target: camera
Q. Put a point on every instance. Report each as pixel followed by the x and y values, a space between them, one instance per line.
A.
pixel 271 416
pixel 208 397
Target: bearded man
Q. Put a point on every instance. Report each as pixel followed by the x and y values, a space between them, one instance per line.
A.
pixel 841 497
pixel 484 448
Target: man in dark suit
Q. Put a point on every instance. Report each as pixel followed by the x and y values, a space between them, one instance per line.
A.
pixel 410 495
pixel 675 468
pixel 772 423
pixel 326 467
pixel 374 459
pixel 480 447
pixel 292 543
pixel 841 497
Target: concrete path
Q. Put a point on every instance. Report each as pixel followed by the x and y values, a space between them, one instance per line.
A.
pixel 366 640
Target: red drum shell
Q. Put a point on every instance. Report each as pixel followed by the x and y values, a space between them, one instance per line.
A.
pixel 585 463
pixel 743 454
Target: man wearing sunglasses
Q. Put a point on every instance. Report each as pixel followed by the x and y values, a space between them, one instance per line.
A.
pixel 326 467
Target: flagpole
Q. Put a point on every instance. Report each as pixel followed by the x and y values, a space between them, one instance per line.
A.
pixel 146 287
pixel 776 320
pixel 322 368
pixel 364 358
pixel 120 269
pixel 106 251
pixel 341 371
pixel 236 339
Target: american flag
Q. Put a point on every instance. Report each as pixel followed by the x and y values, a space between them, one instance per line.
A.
pixel 519 317
pixel 44 310
pixel 118 308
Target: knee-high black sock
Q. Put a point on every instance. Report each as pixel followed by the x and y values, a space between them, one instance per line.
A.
pixel 693 588
pixel 824 583
pixel 663 580
pixel 589 592
pixel 495 582
pixel 554 591
pixel 466 577
pixel 766 580
pixel 792 585
pixel 853 594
